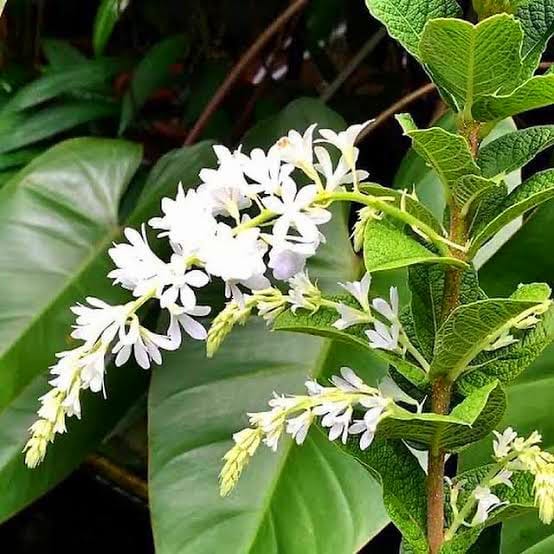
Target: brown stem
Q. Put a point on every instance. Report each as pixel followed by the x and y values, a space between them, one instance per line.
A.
pixel 240 66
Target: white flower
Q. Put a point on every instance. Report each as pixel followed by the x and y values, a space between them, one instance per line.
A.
pixel 266 170
pixel 349 381
pixel 138 268
pixel 367 426
pixel 303 293
pixel 390 389
pixel 348 317
pixel 226 186
pixel 237 259
pixel 338 418
pixel 187 221
pixel 384 337
pixel 359 290
pixel 486 502
pixel 178 284
pixel 93 369
pixel 342 174
pixel 288 257
pixel 299 426
pixel 388 309
pixel 297 149
pixel 502 341
pixel 295 210
pixel 502 445
pixel 98 321
pixel 344 141
pixel 502 478
pixel 183 317
pixel 145 346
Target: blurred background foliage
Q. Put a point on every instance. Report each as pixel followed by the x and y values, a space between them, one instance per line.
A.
pixel 145 71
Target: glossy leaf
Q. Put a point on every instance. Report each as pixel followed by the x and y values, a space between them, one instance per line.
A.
pixel 538 92
pixel 86 74
pixel 152 72
pixel 107 15
pixel 29 129
pixel 513 150
pixel 386 247
pixel 58 217
pixel 405 19
pixel 293 500
pixel 470 61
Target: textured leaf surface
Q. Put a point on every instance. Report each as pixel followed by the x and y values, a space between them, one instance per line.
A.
pixel 469 421
pixel 530 194
pixel 427 286
pixel 469 329
pixel 470 61
pixel 538 92
pixel 292 501
pixel 403 483
pixel 387 247
pixel 537 19
pixel 152 72
pixel 513 150
pixel 405 19
pixel 447 153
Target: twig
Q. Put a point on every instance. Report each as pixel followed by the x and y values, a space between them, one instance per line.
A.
pixel 119 476
pixel 396 107
pixel 359 57
pixel 235 73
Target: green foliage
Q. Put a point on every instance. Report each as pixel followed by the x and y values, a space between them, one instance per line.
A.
pixel 386 247
pixel 406 19
pixel 514 150
pixel 266 512
pixel 403 483
pixel 152 72
pixel 107 16
pixel 470 61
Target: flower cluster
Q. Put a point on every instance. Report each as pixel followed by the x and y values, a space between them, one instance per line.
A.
pixel 211 235
pixel 511 453
pixel 349 407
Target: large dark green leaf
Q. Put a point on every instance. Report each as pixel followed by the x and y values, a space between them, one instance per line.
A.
pixel 300 500
pixel 58 217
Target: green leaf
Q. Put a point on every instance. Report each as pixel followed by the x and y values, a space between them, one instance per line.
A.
pixel 386 247
pixel 61 54
pixel 267 512
pixel 470 191
pixel 321 324
pixel 537 19
pixel 107 15
pixel 513 150
pixel 530 194
pixel 447 153
pixel 469 421
pixel 48 122
pixel 537 92
pixel 152 72
pixel 58 217
pixel 469 329
pixel 404 488
pixel 427 287
pixel 470 61
pixel 86 74
pixel 401 200
pixel 405 19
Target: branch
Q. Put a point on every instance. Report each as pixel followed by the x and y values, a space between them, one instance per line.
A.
pixel 240 66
